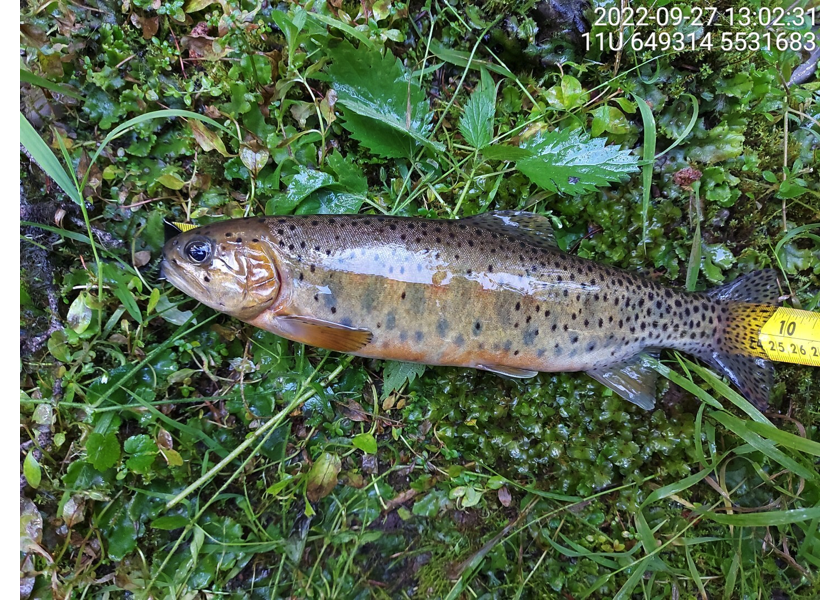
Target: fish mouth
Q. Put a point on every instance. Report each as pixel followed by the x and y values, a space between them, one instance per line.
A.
pixel 173 276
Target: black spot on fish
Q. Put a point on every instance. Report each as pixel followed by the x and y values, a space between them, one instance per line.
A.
pixel 442 327
pixel 332 310
pixel 206 278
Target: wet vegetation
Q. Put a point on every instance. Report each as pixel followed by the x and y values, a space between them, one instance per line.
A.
pixel 167 450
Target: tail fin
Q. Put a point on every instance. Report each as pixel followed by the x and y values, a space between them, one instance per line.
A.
pixel 749 302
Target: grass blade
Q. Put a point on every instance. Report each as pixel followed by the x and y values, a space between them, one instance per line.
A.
pixel 732 574
pixel 633 580
pixel 783 438
pixel 33 79
pixel 694 260
pixel 46 159
pixel 675 487
pixel 767 519
pixel 728 393
pixel 695 113
pixel 739 428
pixel 694 574
pixel 648 151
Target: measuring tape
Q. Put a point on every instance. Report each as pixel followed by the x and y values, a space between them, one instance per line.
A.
pixel 793 336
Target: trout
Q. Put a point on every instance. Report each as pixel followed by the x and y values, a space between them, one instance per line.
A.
pixel 490 292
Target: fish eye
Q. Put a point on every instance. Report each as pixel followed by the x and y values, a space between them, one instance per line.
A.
pixel 197 251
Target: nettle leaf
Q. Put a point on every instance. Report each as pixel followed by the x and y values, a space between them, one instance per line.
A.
pixel 397 373
pixel 476 124
pixel 571 162
pixel 384 110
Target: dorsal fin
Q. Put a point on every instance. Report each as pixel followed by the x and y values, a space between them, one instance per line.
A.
pixel 527 226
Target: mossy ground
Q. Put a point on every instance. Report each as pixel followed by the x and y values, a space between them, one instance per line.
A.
pixel 459 484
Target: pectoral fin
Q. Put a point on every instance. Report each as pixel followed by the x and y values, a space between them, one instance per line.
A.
pixel 324 334
pixel 507 371
pixel 633 380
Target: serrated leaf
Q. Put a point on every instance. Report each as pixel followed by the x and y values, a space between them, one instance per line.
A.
pixel 571 162
pixel 384 110
pixel 365 442
pixel 396 373
pixel 476 124
pixel 103 450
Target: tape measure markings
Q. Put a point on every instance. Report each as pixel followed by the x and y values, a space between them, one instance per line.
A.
pixel 792 335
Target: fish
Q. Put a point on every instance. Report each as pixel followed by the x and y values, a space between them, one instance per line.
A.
pixel 490 292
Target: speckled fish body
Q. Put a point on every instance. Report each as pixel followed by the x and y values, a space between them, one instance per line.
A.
pixel 490 292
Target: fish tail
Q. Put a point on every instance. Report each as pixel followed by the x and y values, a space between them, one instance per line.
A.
pixel 747 303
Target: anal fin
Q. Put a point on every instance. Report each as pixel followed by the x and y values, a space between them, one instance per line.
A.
pixel 632 379
pixel 507 371
pixel 315 332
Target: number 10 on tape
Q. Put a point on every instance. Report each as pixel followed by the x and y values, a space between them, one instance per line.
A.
pixel 793 336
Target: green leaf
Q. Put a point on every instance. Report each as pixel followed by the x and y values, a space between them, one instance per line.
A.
pixel 323 476
pixel 609 119
pixel 365 442
pixel 142 451
pixel 384 110
pixel 568 95
pixel 32 470
pixel 80 314
pixel 476 124
pixel 395 374
pixel 170 523
pixel 279 485
pixel 349 175
pixel 103 450
pixel 506 153
pixel 463 59
pixel 169 311
pixel 571 162
pixel 171 181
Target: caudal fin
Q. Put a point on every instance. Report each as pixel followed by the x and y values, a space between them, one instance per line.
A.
pixel 748 303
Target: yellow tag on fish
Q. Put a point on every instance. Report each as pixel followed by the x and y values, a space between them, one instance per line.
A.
pixel 184 227
pixel 793 336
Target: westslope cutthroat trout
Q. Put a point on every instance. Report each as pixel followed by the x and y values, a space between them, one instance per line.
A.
pixel 490 292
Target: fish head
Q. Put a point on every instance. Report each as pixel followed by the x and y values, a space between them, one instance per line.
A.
pixel 228 266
